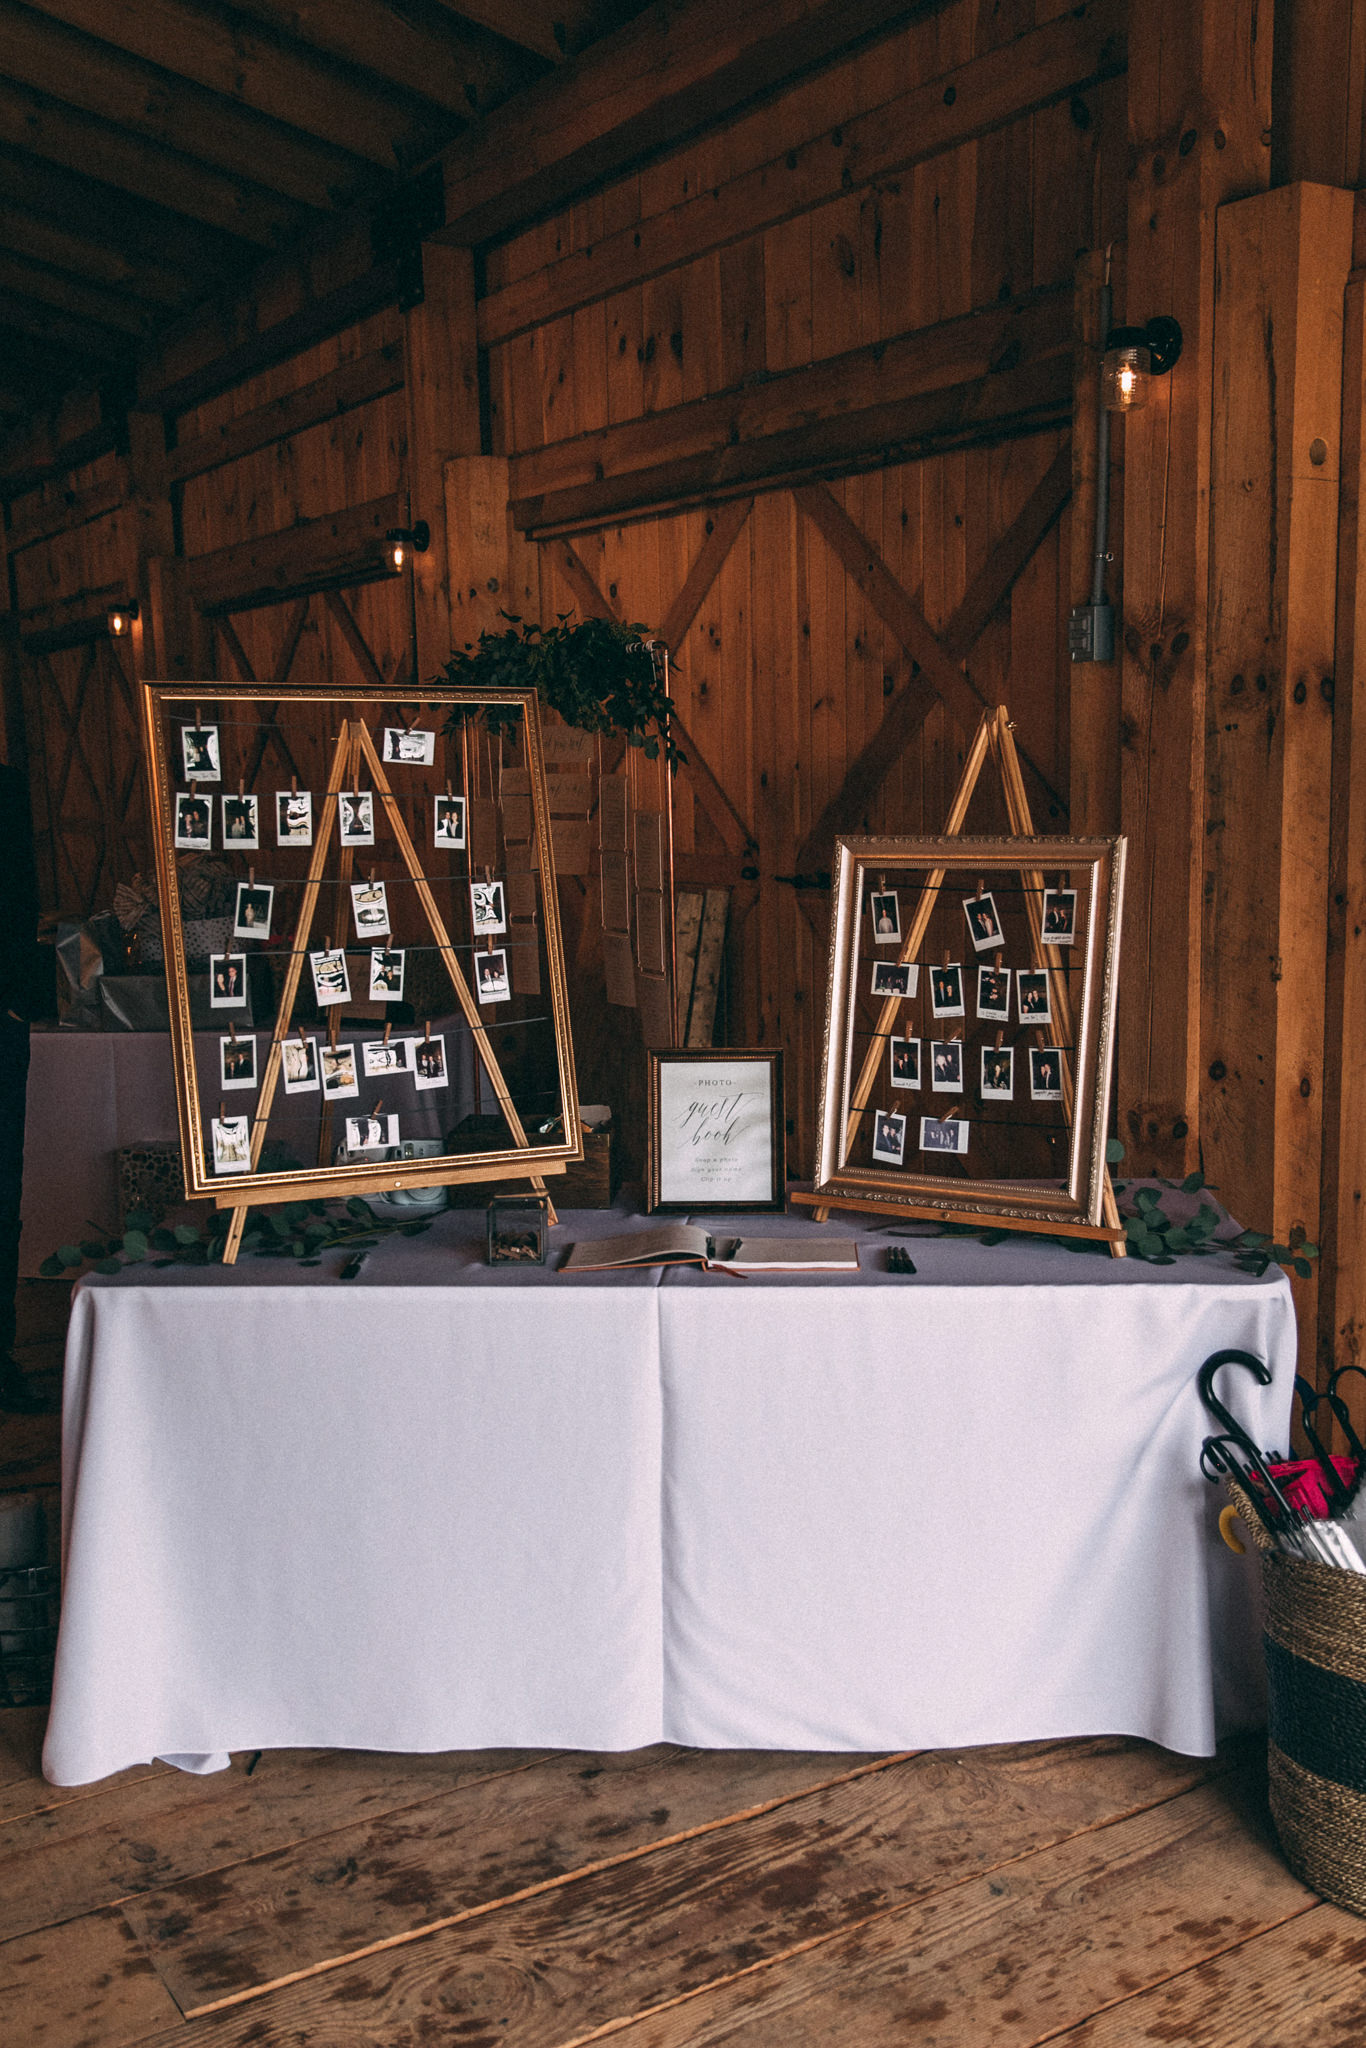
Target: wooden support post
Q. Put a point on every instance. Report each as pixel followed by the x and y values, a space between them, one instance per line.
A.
pixel 494 570
pixel 1283 262
pixel 442 389
pixel 1199 133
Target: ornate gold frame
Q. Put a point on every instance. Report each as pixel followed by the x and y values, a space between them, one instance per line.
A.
pixel 353 747
pixel 1084 1206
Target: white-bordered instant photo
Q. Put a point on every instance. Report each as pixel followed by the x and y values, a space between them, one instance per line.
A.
pixel 491 976
pixel 885 912
pixel 340 1078
pixel 946 992
pixel 951 1136
pixel 241 823
pixel 299 1065
pixel 895 977
pixel 946 1066
pixel 386 974
pixel 227 981
pixel 448 821
pixel 1031 995
pixel 984 924
pixel 231 1144
pixel 237 1062
pixel 889 1137
pixel 488 909
pixel 193 822
pixel 1045 1073
pixel 993 994
pixel 294 817
pixel 379 1058
pixel 255 903
pixel 369 1133
pixel 998 1073
pixel 410 745
pixel 904 1061
pixel 331 982
pixel 356 817
pixel 1060 917
pixel 429 1062
pixel 199 753
pixel 370 908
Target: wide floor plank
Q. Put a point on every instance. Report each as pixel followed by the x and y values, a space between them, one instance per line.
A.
pixel 620 1941
pixel 86 1985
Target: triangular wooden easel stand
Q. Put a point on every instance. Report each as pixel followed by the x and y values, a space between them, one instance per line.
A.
pixel 354 746
pixel 994 737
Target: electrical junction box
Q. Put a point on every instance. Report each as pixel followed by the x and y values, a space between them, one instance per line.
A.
pixel 1091 632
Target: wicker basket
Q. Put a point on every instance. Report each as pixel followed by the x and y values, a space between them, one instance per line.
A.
pixel 1315 1645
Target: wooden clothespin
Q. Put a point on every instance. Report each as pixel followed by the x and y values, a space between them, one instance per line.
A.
pixel 981 886
pixel 1000 1039
pixel 378 1107
pixel 197 717
pixel 232 1029
pixel 294 785
pixel 241 785
pixel 222 1111
pixel 427 1032
pixel 251 878
pixel 388 1027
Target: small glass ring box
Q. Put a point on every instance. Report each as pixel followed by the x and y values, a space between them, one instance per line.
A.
pixel 518 1230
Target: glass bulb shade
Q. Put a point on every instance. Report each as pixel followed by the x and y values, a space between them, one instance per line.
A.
pixel 398 555
pixel 118 624
pixel 1124 377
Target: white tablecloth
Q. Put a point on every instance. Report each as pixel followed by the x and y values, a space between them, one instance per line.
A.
pixel 441 1507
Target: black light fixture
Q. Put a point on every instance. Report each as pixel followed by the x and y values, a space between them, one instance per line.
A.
pixel 120 619
pixel 401 541
pixel 1133 357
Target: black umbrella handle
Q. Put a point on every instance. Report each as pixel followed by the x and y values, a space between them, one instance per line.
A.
pixel 1215 1407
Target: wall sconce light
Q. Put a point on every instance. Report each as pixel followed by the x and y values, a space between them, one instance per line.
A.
pixel 400 541
pixel 120 619
pixel 1133 356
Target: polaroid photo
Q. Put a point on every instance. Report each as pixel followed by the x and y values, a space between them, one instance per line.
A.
pixel 294 817
pixel 331 982
pixel 339 1072
pixel 414 749
pixel 299 1065
pixel 1060 917
pixel 488 910
pixel 199 753
pixel 386 974
pixel 895 978
pixel 255 901
pixel 998 1073
pixel 491 976
pixel 946 1066
pixel 1045 1074
pixel 949 1137
pixel 380 1059
pixel 241 823
pixel 356 817
pixel 946 992
pixel 237 1062
pixel 369 1133
pixel 984 924
pixel 905 1062
pixel 193 822
pixel 885 912
pixel 993 994
pixel 1031 995
pixel 889 1137
pixel 370 908
pixel 227 981
pixel 429 1063
pixel 231 1144
pixel 448 821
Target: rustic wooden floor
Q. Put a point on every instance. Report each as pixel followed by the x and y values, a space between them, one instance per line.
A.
pixel 1096 1894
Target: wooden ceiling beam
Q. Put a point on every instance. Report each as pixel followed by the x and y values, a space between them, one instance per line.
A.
pixel 73 71
pixel 456 69
pixel 78 142
pixel 94 346
pixel 260 72
pixel 72 295
pixel 668 73
pixel 123 225
pixel 31 235
pixel 518 21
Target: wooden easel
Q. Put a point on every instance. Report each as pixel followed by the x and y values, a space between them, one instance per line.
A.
pixel 353 746
pixel 993 738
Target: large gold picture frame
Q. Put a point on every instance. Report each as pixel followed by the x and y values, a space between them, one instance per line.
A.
pixel 340 731
pixel 1035 1159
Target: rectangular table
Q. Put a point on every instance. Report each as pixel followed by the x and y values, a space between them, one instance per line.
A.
pixel 444 1507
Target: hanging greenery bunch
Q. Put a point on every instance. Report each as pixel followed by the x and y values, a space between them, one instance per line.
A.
pixel 598 675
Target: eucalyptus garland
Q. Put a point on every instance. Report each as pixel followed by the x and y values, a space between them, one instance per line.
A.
pixel 291 1230
pixel 598 675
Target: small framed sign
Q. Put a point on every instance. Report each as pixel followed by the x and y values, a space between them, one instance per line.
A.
pixel 716 1130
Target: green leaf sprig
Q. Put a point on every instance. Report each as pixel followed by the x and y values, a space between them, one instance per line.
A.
pixel 299 1230
pixel 1151 1234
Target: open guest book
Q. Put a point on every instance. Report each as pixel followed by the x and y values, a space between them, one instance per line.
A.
pixel 685 1244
